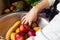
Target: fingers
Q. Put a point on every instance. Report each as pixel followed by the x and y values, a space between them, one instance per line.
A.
pixel 30 23
pixel 23 21
pixel 23 18
pixel 26 22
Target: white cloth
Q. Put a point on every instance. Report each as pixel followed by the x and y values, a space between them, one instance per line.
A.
pixel 58 7
pixel 51 31
pixel 51 2
pixel 40 36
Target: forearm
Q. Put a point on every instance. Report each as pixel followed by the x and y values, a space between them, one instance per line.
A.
pixel 43 4
pixel 40 6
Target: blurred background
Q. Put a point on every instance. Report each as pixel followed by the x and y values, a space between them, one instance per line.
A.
pixel 12 6
pixel 9 6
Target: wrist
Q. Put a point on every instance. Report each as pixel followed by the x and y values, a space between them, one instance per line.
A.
pixel 34 10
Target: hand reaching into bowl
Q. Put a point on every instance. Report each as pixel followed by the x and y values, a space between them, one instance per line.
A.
pixel 30 17
pixel 32 14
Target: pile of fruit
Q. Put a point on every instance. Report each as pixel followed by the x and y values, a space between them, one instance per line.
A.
pixel 22 5
pixel 15 7
pixel 21 31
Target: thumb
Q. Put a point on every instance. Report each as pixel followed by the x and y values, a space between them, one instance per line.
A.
pixel 30 23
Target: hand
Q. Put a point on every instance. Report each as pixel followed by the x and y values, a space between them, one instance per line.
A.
pixel 30 17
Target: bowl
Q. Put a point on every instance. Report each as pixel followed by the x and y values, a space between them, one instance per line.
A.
pixel 6 21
